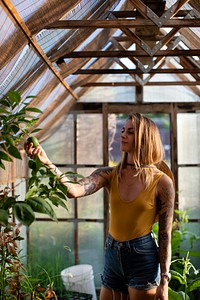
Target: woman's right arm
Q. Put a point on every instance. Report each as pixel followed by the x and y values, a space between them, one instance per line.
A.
pixel 83 187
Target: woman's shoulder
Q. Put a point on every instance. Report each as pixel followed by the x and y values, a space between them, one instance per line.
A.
pixel 106 170
pixel 165 183
pixel 105 173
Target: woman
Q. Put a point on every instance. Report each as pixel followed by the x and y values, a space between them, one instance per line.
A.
pixel 140 194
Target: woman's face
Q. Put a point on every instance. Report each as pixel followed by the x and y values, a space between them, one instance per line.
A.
pixel 127 137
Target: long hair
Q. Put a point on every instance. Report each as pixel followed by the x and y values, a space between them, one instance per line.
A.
pixel 148 148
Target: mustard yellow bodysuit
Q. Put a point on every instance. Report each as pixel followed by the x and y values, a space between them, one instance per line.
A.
pixel 133 219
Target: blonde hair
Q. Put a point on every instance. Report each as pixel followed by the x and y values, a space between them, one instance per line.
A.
pixel 148 148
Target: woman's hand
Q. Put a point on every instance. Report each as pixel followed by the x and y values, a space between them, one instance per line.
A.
pixel 162 292
pixel 38 151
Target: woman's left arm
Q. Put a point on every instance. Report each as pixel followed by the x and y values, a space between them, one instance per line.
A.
pixel 166 199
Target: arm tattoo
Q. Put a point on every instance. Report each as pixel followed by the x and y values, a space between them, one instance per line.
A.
pixel 90 185
pixel 165 206
pixel 96 180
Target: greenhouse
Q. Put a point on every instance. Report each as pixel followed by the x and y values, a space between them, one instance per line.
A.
pixel 70 74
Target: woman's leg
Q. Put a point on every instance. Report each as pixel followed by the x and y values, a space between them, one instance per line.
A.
pixel 135 294
pixel 109 294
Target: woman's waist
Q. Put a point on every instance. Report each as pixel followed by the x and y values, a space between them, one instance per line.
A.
pixel 132 242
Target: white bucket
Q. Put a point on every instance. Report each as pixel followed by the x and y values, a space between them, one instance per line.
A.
pixel 79 278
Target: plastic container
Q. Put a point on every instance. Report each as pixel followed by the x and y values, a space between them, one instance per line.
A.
pixel 79 278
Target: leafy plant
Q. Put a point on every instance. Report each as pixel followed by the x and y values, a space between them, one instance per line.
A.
pixel 16 117
pixel 180 233
pixel 15 126
pixel 44 191
pixel 10 270
pixel 185 284
pixel 38 288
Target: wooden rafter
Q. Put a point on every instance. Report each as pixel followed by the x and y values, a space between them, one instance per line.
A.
pixel 77 24
pixel 152 83
pixel 129 53
pixel 138 71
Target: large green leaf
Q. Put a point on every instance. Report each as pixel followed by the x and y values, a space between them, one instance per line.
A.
pixel 59 195
pixel 176 295
pixel 9 202
pixel 24 213
pixel 57 201
pixel 32 165
pixel 9 140
pixel 36 130
pixel 178 276
pixel 38 163
pixel 194 285
pixel 5 156
pixel 12 150
pixel 62 188
pixel 183 295
pixel 40 205
pixel 4 217
pixel 14 96
pixel 2 165
pixel 34 109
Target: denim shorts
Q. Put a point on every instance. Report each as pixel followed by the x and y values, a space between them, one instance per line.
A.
pixel 133 263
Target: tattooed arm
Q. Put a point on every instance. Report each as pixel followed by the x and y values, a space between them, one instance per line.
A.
pixel 166 197
pixel 86 186
pixel 90 184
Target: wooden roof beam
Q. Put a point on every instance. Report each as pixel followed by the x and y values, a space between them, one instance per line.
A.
pixel 152 83
pixel 128 53
pixel 93 23
pixel 135 13
pixel 136 71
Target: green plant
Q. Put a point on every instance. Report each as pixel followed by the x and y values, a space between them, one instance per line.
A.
pixel 38 288
pixel 185 283
pixel 180 233
pixel 15 124
pixel 44 191
pixel 16 118
pixel 10 270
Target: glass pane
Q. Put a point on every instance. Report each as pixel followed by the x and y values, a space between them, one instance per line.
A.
pixel 90 207
pixel 60 145
pixel 188 136
pixel 189 193
pixel 110 94
pixel 91 247
pixel 89 139
pixel 116 123
pixel 47 248
pixel 168 93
